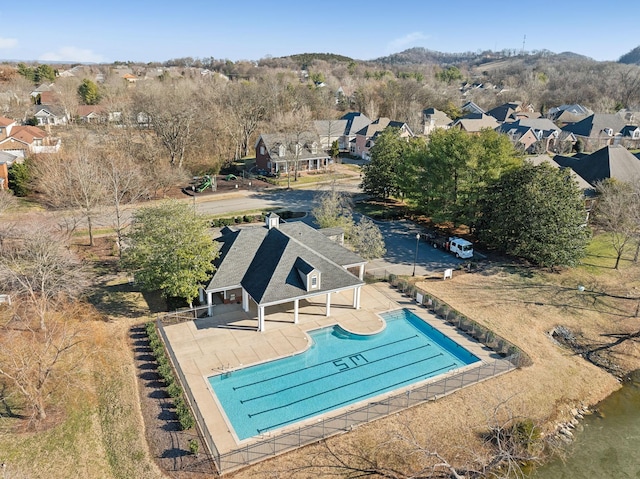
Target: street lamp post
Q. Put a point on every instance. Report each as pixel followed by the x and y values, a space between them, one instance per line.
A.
pixel 415 258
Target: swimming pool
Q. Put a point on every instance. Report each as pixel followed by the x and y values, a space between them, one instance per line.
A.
pixel 339 369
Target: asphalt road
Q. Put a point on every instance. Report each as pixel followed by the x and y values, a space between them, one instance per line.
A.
pixel 399 236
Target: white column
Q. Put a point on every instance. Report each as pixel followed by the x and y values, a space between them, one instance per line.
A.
pixel 295 311
pixel 260 318
pixel 210 303
pixel 201 295
pixel 245 301
pixel 328 304
pixel 355 298
pixel 358 297
pixel 361 275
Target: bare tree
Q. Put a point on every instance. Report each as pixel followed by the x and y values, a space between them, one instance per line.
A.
pixel 124 184
pixel 617 212
pixel 511 442
pixel 7 200
pixel 297 127
pixel 73 179
pixel 247 105
pixel 39 364
pixel 66 94
pixel 36 265
pixel 173 115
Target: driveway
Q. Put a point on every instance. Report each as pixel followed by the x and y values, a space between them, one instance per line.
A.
pixel 401 243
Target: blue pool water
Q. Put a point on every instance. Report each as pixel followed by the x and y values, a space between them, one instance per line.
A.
pixel 338 369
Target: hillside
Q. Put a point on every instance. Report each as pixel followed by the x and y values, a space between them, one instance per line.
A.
pixel 631 58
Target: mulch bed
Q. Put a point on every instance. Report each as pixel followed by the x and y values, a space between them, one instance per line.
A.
pixel 168 444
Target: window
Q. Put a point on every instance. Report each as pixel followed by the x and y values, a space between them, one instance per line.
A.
pixel 262 149
pixel 314 281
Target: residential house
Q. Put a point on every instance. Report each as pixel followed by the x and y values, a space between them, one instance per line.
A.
pixel 50 115
pixel 21 141
pixel 91 113
pixel 6 125
pixel 476 122
pixel 37 92
pixel 282 153
pixel 329 131
pixel 471 107
pixel 513 111
pixel 608 162
pixel 366 137
pixel 6 161
pixel 356 121
pixel 568 114
pixel 537 135
pixel 523 137
pixel 433 119
pixel 281 263
pixel 598 130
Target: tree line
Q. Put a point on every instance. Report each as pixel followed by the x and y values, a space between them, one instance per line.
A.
pixel 533 212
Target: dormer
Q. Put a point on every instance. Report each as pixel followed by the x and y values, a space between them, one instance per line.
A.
pixel 282 150
pixel 608 131
pixel 314 148
pixel 309 275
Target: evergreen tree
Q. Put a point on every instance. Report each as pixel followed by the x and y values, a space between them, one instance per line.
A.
pixel 381 175
pixel 89 92
pixel 536 213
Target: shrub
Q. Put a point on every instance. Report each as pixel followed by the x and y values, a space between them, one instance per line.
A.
pixel 194 446
pixel 184 415
pixel 174 390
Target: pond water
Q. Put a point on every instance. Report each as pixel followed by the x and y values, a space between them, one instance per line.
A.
pixel 609 445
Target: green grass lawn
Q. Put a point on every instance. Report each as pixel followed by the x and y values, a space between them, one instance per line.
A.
pixel 601 256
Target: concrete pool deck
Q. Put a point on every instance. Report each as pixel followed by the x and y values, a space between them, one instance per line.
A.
pixel 229 340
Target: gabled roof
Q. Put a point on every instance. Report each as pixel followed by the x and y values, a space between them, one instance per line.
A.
pixel 27 134
pixel 608 162
pixel 4 122
pixel 595 125
pixel 379 125
pixel 476 122
pixel 272 142
pixel 503 112
pixel 330 128
pixel 356 121
pixel 48 110
pixel 574 109
pixel 86 110
pixel 440 118
pixel 543 124
pixel 265 262
pixel 584 185
pixel 471 107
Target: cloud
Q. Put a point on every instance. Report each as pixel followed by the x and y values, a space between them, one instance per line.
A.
pixel 402 43
pixel 72 54
pixel 8 42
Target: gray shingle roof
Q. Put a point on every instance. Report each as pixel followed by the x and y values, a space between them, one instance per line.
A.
pixel 608 162
pixel 266 262
pixel 355 122
pixel 594 125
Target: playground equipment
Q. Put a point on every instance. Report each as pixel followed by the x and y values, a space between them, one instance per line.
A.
pixel 205 182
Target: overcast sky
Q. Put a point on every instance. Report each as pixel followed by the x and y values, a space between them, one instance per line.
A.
pixel 144 31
